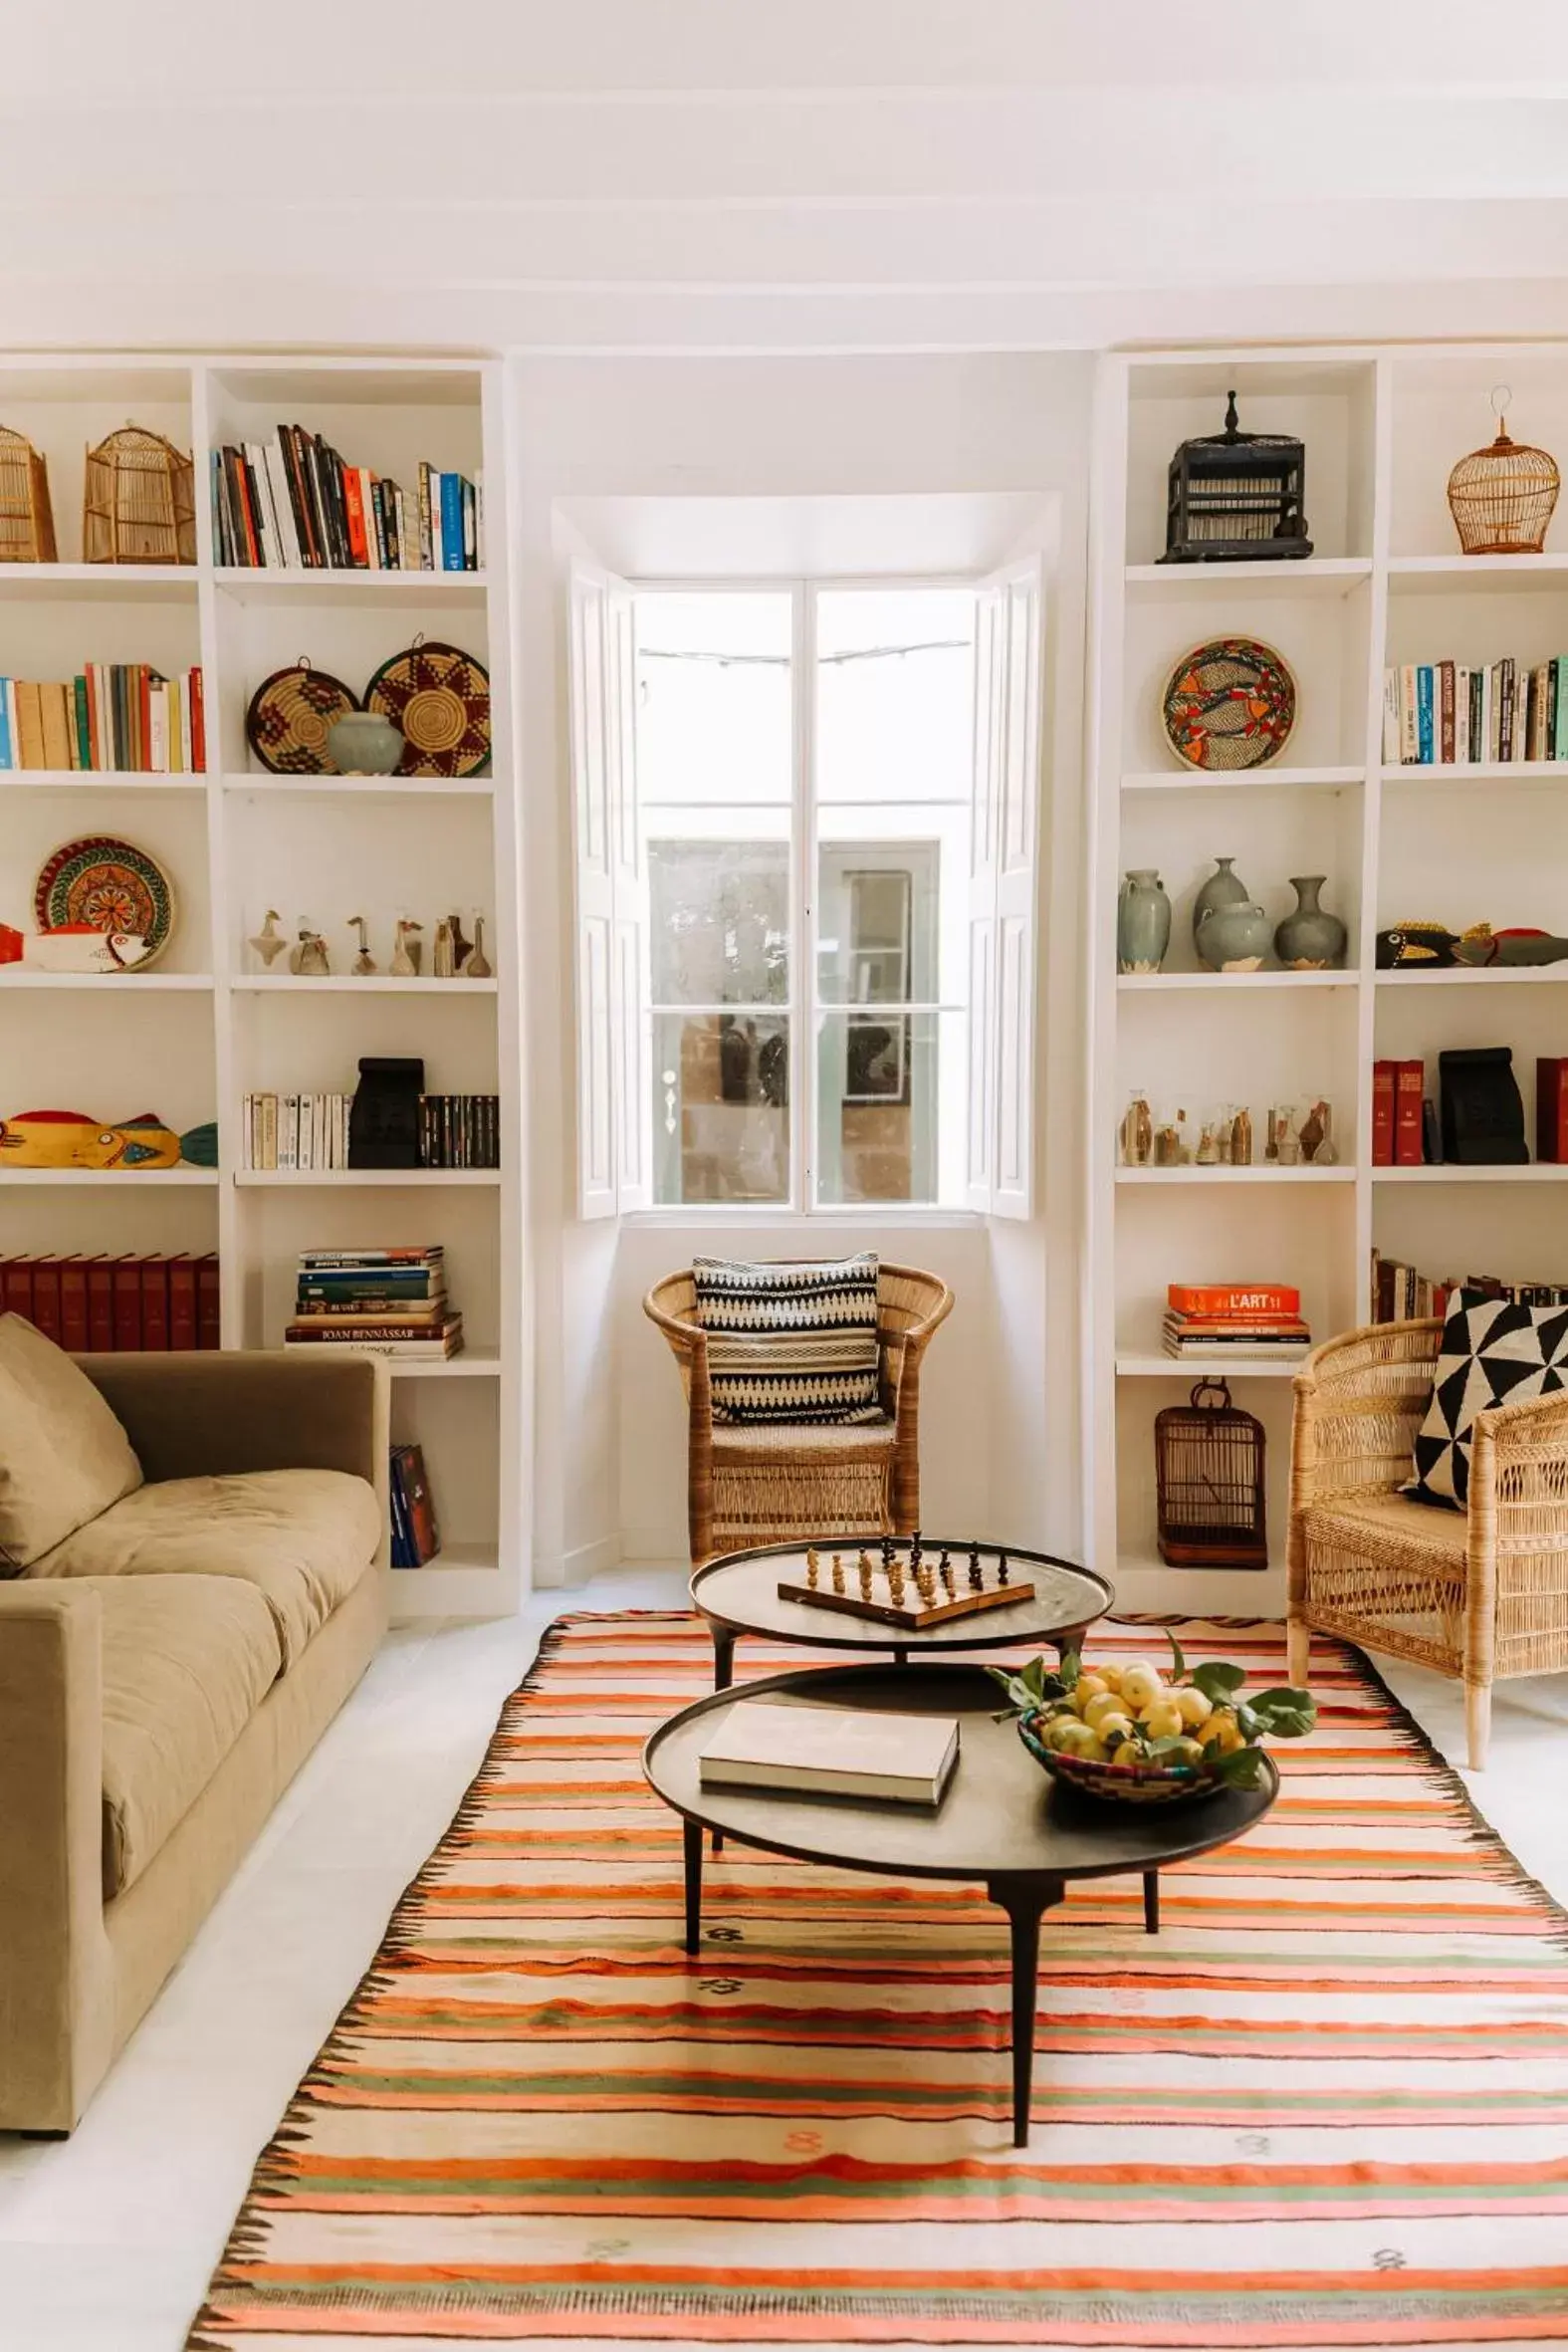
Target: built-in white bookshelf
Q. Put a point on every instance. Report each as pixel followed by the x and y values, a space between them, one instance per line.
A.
pixel 1386 584
pixel 209 1026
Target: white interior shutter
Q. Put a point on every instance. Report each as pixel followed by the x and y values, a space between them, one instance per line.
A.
pixel 985 795
pixel 632 1045
pixel 595 908
pixel 1020 622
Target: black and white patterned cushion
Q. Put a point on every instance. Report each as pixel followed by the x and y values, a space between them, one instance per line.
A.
pixel 1493 1353
pixel 791 1343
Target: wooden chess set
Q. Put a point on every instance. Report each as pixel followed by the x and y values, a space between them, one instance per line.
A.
pixel 907 1585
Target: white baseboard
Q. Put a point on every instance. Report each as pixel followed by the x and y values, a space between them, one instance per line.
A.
pixel 577 1565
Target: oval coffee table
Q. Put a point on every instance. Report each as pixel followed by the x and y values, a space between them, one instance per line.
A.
pixel 739 1593
pixel 1001 1821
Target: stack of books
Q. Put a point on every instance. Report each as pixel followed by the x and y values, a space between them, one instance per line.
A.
pixel 416 1538
pixel 390 1302
pixel 1401 1294
pixel 1234 1319
pixel 292 504
pixel 112 717
pixel 116 1305
pixel 1404 1119
pixel 297 1131
pixel 1444 713
pixel 460 1130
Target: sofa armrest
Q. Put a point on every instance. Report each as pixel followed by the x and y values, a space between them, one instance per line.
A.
pixel 187 1415
pixel 56 2003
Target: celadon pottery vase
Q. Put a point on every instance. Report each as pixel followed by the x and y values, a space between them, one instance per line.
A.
pixel 1310 939
pixel 1143 922
pixel 1235 938
pixel 364 743
pixel 1223 888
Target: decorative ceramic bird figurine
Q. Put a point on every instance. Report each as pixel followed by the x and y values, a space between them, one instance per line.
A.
pixel 269 942
pixel 407 949
pixel 309 960
pixel 363 963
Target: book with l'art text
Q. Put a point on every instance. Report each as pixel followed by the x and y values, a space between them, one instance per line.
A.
pixel 831 1752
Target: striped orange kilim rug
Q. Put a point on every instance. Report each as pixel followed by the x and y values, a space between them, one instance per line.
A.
pixel 1327 2106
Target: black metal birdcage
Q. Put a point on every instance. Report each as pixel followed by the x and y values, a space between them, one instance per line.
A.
pixel 1235 498
pixel 1209 1471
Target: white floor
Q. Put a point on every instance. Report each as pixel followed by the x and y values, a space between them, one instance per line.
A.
pixel 108 2239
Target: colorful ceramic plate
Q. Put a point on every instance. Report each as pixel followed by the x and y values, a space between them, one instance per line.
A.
pixel 110 884
pixel 292 714
pixel 1228 704
pixel 440 697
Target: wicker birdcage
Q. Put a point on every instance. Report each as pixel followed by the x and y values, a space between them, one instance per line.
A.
pixel 1502 497
pixel 138 504
pixel 27 521
pixel 1209 1471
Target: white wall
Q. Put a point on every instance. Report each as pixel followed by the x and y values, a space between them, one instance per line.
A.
pixel 999 1404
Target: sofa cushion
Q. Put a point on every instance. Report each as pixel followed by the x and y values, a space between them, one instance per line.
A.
pixel 188 1660
pixel 64 1456
pixel 302 1537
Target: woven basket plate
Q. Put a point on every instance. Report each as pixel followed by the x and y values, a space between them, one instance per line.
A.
pixel 440 697
pixel 292 714
pixel 1228 704
pixel 108 884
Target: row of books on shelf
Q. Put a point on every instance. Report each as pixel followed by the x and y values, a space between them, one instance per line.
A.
pixel 416 1534
pixel 293 504
pixel 380 1301
pixel 112 716
pixel 1401 1294
pixel 116 1305
pixel 1444 713
pixel 1407 1128
pixel 1234 1318
pixel 310 1132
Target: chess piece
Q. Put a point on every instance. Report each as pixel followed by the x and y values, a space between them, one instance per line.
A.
pixel 887 1555
pixel 915 1551
pixel 442 962
pixel 364 963
pixel 462 948
pixel 1002 1567
pixel 309 960
pixel 838 1572
pixel 269 941
pixel 479 966
pixel 812 1567
pixel 976 1582
pixel 926 1584
pixel 407 950
pixel 895 1578
pixel 946 1572
pixel 865 1578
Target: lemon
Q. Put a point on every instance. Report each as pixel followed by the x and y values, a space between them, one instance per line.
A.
pixel 1112 1730
pixel 1196 1705
pixel 1221 1733
pixel 1163 1720
pixel 1188 1752
pixel 1111 1676
pixel 1102 1704
pixel 1071 1737
pixel 1087 1687
pixel 1140 1686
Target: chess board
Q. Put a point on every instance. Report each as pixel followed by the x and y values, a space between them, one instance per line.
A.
pixel 912 1591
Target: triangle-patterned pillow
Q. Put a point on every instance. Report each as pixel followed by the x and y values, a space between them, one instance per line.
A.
pixel 1493 1353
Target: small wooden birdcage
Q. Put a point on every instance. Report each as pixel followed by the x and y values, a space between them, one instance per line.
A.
pixel 27 522
pixel 1235 498
pixel 1209 1468
pixel 1503 498
pixel 139 505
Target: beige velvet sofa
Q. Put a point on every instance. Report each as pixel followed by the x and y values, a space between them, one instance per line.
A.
pixel 164 1669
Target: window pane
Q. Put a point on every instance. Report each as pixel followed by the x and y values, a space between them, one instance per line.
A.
pixel 894 695
pixel 891 908
pixel 720 1108
pixel 720 919
pixel 713 718
pixel 891 1107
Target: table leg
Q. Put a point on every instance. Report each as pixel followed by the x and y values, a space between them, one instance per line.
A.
pixel 1150 1902
pixel 722 1677
pixel 1072 1638
pixel 1024 1902
pixel 692 1842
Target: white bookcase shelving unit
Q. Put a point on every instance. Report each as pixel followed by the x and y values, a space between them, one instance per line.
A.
pixel 193 1037
pixel 1386 584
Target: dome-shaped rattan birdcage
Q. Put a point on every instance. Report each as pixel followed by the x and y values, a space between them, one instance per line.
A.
pixel 27 522
pixel 139 502
pixel 1502 497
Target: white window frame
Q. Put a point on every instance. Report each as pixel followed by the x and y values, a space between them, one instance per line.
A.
pixel 614 1036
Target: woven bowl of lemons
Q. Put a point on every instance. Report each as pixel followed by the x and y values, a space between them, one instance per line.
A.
pixel 1134 1735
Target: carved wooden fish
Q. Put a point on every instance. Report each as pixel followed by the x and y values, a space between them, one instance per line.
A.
pixel 69 1139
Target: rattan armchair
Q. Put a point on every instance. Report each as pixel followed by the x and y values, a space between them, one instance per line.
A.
pixel 755 1483
pixel 1475 1594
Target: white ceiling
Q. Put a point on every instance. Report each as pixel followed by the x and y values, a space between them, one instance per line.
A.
pixel 780 175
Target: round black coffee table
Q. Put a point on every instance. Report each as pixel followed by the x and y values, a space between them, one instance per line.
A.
pixel 1001 1821
pixel 739 1593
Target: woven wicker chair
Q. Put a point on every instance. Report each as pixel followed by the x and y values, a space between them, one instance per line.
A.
pixel 1473 1594
pixel 754 1483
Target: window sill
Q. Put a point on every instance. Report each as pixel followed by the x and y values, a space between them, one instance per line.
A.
pixel 909 1217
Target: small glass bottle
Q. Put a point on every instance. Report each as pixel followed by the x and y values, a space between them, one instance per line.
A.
pixel 1137 1131
pixel 1242 1137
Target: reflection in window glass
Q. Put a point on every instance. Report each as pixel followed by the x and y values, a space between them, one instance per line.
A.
pixel 720 1108
pixel 720 914
pixel 890 1106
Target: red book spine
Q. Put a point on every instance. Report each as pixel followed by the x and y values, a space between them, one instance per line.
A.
pixel 1234 1298
pixel 46 1297
pixel 101 1306
pixel 209 1304
pixel 1551 1111
pixel 354 506
pixel 16 1286
pixel 156 1303
pixel 127 1305
pixel 198 723
pixel 74 1305
pixel 1383 1113
pixel 1408 1079
pixel 182 1303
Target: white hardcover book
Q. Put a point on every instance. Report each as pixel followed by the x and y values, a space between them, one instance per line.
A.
pixel 265 521
pixel 438 540
pixel 831 1752
pixel 1390 719
pixel 270 1132
pixel 1462 715
pixel 1486 749
pixel 283 506
pixel 1409 739
pixel 407 557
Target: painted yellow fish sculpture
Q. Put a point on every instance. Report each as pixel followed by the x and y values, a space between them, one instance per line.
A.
pixel 69 1139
